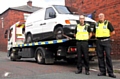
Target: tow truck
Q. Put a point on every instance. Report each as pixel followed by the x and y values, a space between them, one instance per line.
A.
pixel 44 52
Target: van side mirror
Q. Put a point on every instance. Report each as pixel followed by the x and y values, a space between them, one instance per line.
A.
pixel 6 34
pixel 75 13
pixel 52 15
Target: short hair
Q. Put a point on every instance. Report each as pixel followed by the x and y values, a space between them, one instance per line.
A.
pixel 81 16
pixel 101 14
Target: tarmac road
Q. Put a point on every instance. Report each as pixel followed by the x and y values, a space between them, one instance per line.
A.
pixel 29 69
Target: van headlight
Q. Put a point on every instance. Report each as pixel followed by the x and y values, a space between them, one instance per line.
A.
pixel 70 22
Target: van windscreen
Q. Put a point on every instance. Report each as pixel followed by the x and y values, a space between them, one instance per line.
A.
pixel 62 9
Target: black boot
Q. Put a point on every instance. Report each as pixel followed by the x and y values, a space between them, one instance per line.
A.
pixel 112 75
pixel 87 73
pixel 101 74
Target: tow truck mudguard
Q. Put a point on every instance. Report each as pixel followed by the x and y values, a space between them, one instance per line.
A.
pixel 49 58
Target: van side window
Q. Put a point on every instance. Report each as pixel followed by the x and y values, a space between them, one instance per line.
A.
pixel 49 11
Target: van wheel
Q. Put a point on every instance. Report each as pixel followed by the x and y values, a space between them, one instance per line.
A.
pixel 29 38
pixel 39 56
pixel 58 33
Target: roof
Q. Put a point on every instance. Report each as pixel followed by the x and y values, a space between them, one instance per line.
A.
pixel 26 8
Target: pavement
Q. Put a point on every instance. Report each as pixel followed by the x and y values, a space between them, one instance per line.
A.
pixel 116 62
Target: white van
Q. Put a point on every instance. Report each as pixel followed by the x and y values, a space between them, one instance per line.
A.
pixel 51 22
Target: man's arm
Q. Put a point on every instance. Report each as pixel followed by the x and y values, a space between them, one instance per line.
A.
pixel 90 32
pixel 110 27
pixel 90 35
pixel 75 31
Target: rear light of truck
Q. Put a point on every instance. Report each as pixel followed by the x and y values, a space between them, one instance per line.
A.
pixel 72 49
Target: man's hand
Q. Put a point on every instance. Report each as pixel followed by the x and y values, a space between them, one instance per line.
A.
pixel 112 33
pixel 74 35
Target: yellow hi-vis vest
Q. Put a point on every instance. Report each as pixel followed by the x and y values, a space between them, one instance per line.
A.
pixel 82 33
pixel 102 30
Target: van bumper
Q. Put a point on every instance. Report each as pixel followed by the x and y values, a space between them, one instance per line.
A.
pixel 69 30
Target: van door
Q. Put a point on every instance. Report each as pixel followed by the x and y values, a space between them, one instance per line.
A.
pixel 50 20
pixel 38 18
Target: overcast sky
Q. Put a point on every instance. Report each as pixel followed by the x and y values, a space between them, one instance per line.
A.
pixel 5 4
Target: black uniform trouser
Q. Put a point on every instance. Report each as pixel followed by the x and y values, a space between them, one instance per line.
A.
pixel 104 47
pixel 82 49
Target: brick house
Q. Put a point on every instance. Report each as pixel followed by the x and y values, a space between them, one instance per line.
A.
pixel 111 8
pixel 11 16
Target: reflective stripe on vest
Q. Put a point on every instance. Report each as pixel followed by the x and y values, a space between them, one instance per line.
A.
pixel 102 30
pixel 82 33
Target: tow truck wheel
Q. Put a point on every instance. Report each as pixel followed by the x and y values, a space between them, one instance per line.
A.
pixel 29 38
pixel 39 57
pixel 13 56
pixel 58 33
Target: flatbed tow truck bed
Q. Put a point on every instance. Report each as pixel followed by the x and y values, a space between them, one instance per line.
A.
pixel 46 52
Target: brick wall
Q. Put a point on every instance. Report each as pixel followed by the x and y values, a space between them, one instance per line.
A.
pixel 111 8
pixel 10 17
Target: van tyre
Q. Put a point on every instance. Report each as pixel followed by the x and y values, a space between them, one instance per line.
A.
pixel 58 33
pixel 29 38
pixel 40 56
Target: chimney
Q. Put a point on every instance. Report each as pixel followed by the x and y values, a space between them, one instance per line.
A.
pixel 29 3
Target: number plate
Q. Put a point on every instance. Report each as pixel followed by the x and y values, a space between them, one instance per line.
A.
pixel 91 49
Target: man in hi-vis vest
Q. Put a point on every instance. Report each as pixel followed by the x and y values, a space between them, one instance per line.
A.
pixel 82 34
pixel 103 31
